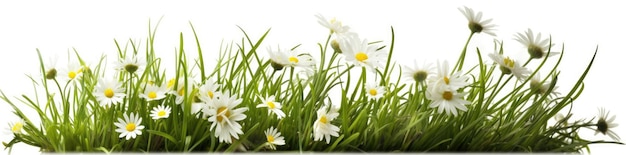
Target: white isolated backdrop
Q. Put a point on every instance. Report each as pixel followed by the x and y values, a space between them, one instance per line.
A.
pixel 425 31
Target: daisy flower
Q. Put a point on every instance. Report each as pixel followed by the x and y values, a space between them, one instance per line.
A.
pixel 160 112
pixel 73 72
pixel 181 89
pixel 131 64
pixel 541 87
pixel 129 127
pixel 537 48
pixel 476 24
pixel 272 106
pixel 446 99
pixel 374 91
pixel 333 24
pixel 50 67
pixel 16 127
pixel 509 66
pixel 153 92
pixel 444 78
pixel 109 91
pixel 224 117
pixel 361 54
pixel 273 138
pixel 208 91
pixel 288 58
pixel 417 73
pixel 322 127
pixel 605 124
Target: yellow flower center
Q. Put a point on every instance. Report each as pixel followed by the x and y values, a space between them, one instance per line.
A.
pixel 210 93
pixel 181 91
pixel 226 114
pixel 130 127
pixel 161 113
pixel 447 95
pixel 152 95
pixel 360 56
pixel 17 127
pixel 293 59
pixel 446 79
pixel 271 105
pixel 508 62
pixel 71 75
pixel 373 92
pixel 109 92
pixel 270 138
pixel 323 119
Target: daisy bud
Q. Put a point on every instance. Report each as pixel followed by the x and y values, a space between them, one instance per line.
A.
pixel 51 74
pixel 335 45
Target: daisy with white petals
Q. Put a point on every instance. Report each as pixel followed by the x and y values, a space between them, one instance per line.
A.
pixel 131 64
pixel 333 25
pixel 510 66
pixel 446 99
pixel 360 53
pixel 417 73
pixel 160 112
pixel 445 78
pixel 109 91
pixel 322 127
pixel 273 138
pixel 73 72
pixel 537 48
pixel 181 89
pixel 476 24
pixel 153 92
pixel 287 58
pixel 224 117
pixel 272 106
pixel 605 124
pixel 374 91
pixel 129 127
pixel 16 127
pixel 208 91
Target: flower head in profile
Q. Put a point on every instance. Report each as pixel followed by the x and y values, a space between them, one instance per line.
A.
pixel 476 24
pixel 322 128
pixel 129 127
pixel 273 138
pixel 510 66
pixel 272 106
pixel 446 99
pixel 542 87
pixel 374 91
pixel 537 47
pixel 131 64
pixel 153 92
pixel 224 117
pixel 288 58
pixel 333 24
pixel 51 68
pixel 417 73
pixel 605 124
pixel 109 91
pixel 444 78
pixel 16 127
pixel 160 112
pixel 362 54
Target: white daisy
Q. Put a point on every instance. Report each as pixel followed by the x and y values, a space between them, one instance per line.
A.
pixel 360 53
pixel 273 138
pixel 131 64
pixel 224 117
pixel 476 24
pixel 541 87
pixel 333 25
pixel 446 99
pixel 417 73
pixel 287 58
pixel 509 66
pixel 153 92
pixel 322 127
pixel 605 124
pixel 129 127
pixel 374 91
pixel 181 89
pixel 109 91
pixel 272 106
pixel 444 78
pixel 51 68
pixel 73 72
pixel 160 112
pixel 208 91
pixel 537 48
pixel 16 127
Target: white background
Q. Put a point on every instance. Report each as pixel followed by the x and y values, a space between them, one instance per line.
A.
pixel 425 31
